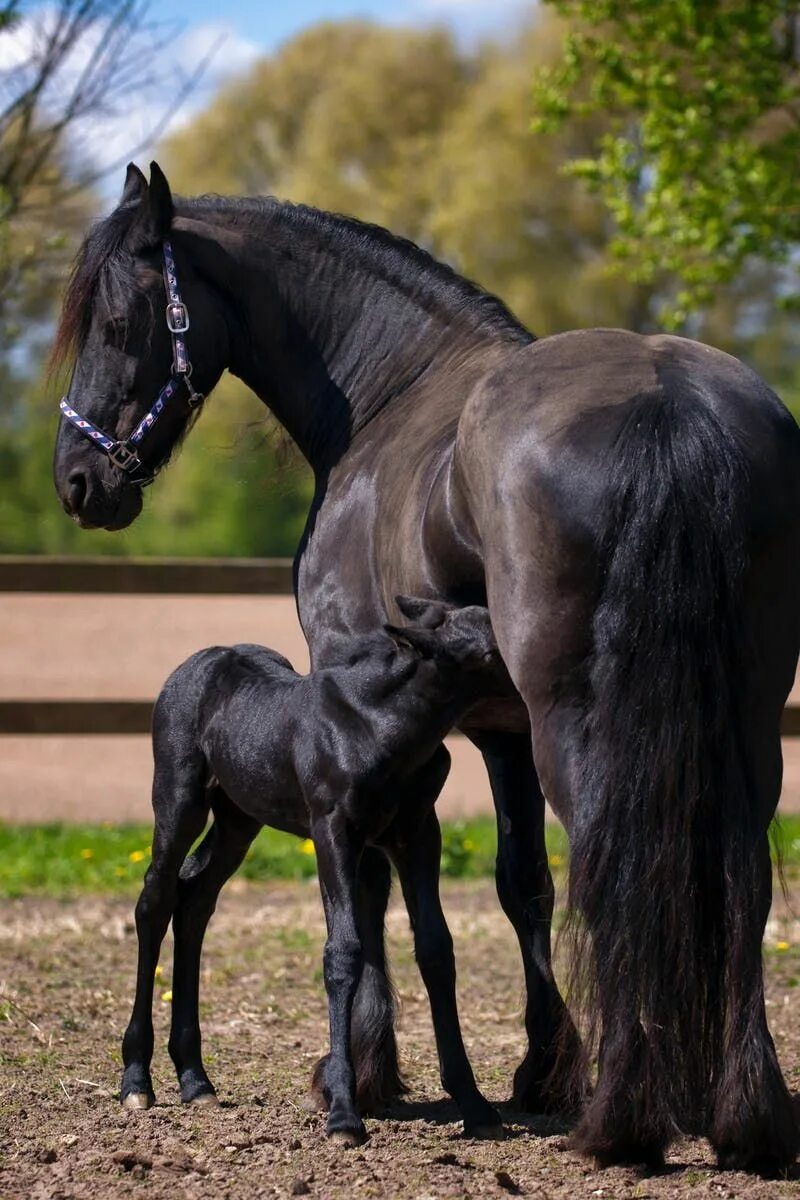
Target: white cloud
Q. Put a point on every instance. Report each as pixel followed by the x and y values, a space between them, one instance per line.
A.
pixel 131 122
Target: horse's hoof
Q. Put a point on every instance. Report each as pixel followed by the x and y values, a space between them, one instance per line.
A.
pixel 204 1100
pixel 138 1100
pixel 313 1102
pixel 486 1133
pixel 348 1138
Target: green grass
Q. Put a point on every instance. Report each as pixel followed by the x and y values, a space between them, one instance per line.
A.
pixel 64 860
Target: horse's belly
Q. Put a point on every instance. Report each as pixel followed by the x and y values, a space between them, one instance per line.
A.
pixel 505 715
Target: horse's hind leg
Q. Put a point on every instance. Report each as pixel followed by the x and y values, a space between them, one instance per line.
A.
pixel 551 1077
pixel 181 807
pixel 374 1046
pixel 753 1124
pixel 201 879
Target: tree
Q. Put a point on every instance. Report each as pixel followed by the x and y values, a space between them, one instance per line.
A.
pixel 699 165
pixel 76 61
pixel 432 141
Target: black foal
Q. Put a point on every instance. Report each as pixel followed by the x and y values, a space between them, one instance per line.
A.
pixel 331 754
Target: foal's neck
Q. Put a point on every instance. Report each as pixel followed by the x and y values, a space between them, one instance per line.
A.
pixel 331 320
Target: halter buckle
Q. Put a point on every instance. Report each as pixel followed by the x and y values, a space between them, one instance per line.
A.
pixel 123 457
pixel 177 317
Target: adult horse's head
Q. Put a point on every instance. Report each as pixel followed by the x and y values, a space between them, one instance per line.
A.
pixel 137 375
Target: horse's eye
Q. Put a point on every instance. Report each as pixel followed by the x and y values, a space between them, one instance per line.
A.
pixel 116 331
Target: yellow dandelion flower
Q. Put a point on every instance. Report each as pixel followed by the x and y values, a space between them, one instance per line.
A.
pixel 307 847
pixel 136 855
pixel 468 844
pixel 556 860
pixel 159 971
pixel 781 945
pixel 167 996
pixel 87 853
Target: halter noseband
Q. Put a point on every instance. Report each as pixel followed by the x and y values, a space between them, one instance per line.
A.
pixel 125 454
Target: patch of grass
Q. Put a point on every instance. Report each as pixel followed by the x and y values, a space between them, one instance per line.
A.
pixel 63 860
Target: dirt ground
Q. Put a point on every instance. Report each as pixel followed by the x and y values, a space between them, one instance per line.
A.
pixel 66 973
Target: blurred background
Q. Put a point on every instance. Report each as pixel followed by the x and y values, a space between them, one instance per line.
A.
pixel 627 164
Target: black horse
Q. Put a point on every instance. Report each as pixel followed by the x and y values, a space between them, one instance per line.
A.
pixel 629 509
pixel 350 755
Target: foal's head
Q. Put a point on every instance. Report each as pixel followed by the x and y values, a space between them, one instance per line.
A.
pixel 114 330
pixel 458 640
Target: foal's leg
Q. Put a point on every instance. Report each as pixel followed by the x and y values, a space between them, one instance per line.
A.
pixel 181 808
pixel 374 1046
pixel 416 850
pixel 550 1078
pixel 339 847
pixel 201 879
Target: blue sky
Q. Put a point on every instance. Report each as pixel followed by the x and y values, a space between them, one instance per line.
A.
pixel 239 32
pixel 270 22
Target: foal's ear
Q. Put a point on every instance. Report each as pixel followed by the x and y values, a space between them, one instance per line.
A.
pixel 430 614
pixel 423 641
pixel 154 218
pixel 135 185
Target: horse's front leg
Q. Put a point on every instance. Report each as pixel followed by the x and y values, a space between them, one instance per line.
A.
pixel 551 1077
pixel 339 845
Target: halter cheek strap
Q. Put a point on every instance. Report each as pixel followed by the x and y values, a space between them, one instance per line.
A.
pixel 125 453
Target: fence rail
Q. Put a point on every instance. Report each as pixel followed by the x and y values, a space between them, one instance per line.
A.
pixel 138 576
pixel 131 576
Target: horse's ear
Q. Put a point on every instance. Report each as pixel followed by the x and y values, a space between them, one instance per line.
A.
pixel 159 202
pixel 422 641
pixel 153 219
pixel 135 185
pixel 430 614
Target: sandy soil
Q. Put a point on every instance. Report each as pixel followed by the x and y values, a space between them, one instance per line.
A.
pixel 66 972
pixel 123 647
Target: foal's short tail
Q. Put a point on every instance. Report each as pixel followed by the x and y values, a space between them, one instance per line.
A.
pixel 664 861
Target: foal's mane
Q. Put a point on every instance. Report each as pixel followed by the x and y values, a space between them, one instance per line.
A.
pixel 105 269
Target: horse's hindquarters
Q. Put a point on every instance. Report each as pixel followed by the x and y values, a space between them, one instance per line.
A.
pixel 637 555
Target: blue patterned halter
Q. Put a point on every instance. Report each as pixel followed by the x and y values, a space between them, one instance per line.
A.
pixel 125 453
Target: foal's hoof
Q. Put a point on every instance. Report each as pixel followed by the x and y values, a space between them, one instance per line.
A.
pixel 313 1102
pixel 348 1138
pixel 204 1100
pixel 138 1100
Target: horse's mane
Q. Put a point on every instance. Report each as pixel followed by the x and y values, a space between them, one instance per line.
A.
pixel 395 258
pixel 103 269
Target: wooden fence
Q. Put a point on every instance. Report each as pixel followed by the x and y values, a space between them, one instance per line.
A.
pixel 118 576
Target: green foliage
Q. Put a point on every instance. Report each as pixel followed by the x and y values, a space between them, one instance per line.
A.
pixel 62 860
pixel 406 128
pixel 230 491
pixel 698 165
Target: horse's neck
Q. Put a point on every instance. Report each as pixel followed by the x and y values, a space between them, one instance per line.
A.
pixel 326 333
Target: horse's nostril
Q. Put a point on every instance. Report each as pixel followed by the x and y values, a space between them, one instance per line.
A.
pixel 77 487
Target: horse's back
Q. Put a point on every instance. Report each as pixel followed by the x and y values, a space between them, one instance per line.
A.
pixel 537 435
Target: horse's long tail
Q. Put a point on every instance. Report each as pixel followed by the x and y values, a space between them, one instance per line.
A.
pixel 667 851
